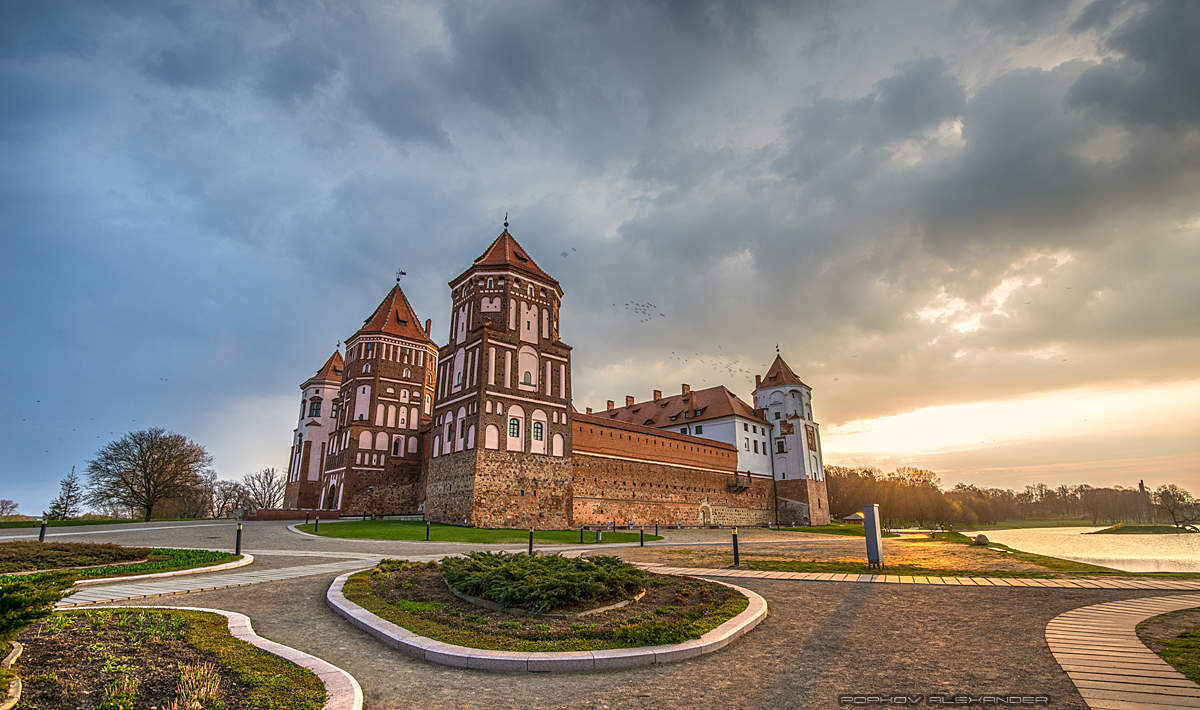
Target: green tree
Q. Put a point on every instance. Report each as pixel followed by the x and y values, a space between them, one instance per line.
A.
pixel 70 495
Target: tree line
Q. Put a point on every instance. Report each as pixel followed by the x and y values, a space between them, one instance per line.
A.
pixel 153 473
pixel 913 496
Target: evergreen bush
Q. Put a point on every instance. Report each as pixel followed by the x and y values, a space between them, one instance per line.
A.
pixel 24 600
pixel 543 583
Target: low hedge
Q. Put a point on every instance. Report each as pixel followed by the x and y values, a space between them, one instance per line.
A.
pixel 543 583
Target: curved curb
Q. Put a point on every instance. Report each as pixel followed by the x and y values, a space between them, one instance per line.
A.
pixel 13 696
pixel 547 661
pixel 246 559
pixel 1098 648
pixel 342 691
pixel 293 528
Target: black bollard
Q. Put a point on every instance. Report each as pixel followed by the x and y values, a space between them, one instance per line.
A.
pixel 426 531
pixel 237 545
pixel 642 537
pixel 580 536
pixel 531 542
pixel 42 533
pixel 656 530
pixel 306 518
pixel 736 560
pixel 317 524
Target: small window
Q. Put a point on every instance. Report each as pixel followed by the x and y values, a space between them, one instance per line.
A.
pixel 450 432
pixel 334 410
pixel 407 373
pixel 314 407
pixel 779 447
pixel 460 378
pixel 514 427
pixel 745 426
pixel 699 429
pixel 756 446
pixel 366 368
pixel 531 291
pixel 746 445
pixel 490 283
pixel 537 431
pixel 396 447
pixel 527 378
pixel 776 415
pixel 683 430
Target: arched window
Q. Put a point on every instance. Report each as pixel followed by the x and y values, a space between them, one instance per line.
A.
pixel 527 378
pixel 531 291
pixel 514 427
pixel 303 404
pixel 537 431
pixel 314 407
pixel 460 378
pixel 396 446
pixel 450 432
pixel 366 368
pixel 407 373
pixel 490 283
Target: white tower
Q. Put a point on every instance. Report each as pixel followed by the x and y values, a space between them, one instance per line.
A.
pixel 798 466
pixel 317 420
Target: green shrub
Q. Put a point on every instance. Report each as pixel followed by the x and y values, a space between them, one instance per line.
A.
pixel 24 600
pixel 543 583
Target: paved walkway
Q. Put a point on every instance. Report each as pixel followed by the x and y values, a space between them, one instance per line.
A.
pixel 1100 651
pixel 1026 582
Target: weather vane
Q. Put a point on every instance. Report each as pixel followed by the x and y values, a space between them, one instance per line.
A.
pixel 399 273
pixel 776 348
pixel 506 219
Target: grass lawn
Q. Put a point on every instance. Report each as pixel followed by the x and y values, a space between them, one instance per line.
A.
pixel 835 529
pixel 125 658
pixel 74 523
pixel 1039 523
pixel 1183 652
pixel 413 595
pixel 102 560
pixel 1122 529
pixel 439 532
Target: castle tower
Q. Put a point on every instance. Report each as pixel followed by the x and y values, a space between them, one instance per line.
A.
pixel 311 436
pixel 374 459
pixel 798 466
pixel 501 440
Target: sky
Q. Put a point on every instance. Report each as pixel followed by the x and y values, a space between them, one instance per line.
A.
pixel 973 228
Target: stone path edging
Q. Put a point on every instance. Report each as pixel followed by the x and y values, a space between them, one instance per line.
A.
pixel 1099 649
pixel 246 559
pixel 1008 582
pixel 342 691
pixel 13 696
pixel 557 662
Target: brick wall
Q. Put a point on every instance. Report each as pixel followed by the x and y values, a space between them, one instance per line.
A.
pixel 287 514
pixel 625 472
pixel 450 487
pixel 515 490
pixel 803 501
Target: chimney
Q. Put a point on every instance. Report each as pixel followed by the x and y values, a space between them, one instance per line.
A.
pixel 610 404
pixel 757 381
pixel 628 400
pixel 687 389
pixel 657 395
pixel 428 325
pixel 589 410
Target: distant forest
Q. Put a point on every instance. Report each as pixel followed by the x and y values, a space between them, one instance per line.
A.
pixel 912 496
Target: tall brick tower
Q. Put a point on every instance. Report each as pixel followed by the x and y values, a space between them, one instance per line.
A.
pixel 501 438
pixel 373 462
pixel 318 418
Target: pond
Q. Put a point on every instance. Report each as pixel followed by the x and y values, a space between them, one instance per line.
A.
pixel 1132 553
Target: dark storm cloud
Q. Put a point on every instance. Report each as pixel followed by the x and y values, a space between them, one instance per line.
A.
pixel 204 198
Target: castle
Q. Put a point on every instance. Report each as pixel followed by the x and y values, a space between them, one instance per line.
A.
pixel 482 431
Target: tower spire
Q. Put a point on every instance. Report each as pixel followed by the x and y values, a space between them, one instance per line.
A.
pixel 506 220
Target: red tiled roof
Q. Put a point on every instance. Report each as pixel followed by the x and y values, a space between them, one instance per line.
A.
pixel 698 405
pixel 331 371
pixel 601 419
pixel 505 252
pixel 394 316
pixel 779 374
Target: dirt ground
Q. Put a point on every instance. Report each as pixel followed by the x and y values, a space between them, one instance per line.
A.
pixel 850 550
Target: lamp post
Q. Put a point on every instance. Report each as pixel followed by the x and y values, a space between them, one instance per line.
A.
pixel 736 559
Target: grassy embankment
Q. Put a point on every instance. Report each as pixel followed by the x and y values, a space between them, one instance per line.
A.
pixel 1022 524
pixel 91 560
pixel 1122 529
pixel 439 532
pixel 835 529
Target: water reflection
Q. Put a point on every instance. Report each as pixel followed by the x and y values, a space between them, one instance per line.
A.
pixel 1132 553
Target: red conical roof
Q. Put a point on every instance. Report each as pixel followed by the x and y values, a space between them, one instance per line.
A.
pixel 395 316
pixel 778 375
pixel 507 253
pixel 331 371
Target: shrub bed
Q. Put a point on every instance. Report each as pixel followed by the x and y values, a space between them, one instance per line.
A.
pixel 102 560
pixel 544 583
pixel 139 658
pixel 414 595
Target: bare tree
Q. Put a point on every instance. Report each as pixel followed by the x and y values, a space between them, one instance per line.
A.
pixel 144 468
pixel 7 507
pixel 1178 504
pixel 265 488
pixel 70 495
pixel 229 496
